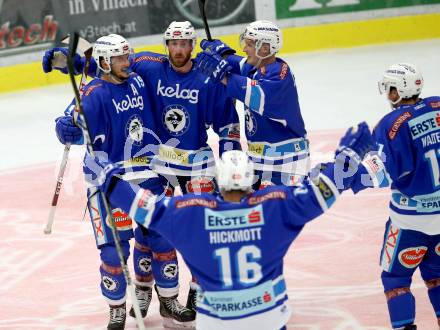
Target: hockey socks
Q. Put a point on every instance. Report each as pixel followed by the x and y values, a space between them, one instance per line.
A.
pixel 142 260
pixel 434 296
pixel 113 283
pixel 402 309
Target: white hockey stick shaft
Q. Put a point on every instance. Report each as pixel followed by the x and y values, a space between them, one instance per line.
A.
pixel 63 165
pixel 117 240
pixel 48 228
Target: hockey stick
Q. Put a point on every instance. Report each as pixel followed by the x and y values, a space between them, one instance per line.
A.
pixel 205 20
pixel 73 43
pixel 85 48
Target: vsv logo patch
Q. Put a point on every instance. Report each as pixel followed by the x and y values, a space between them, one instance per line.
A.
pixel 187 94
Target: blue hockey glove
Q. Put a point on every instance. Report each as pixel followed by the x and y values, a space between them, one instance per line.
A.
pixel 213 65
pixel 358 140
pixel 99 172
pixel 217 46
pixel 56 58
pixel 67 131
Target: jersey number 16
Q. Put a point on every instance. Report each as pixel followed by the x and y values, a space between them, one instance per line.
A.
pixel 245 265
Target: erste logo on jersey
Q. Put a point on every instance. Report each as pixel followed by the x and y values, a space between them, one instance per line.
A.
pixel 427 123
pixel 175 119
pixel 134 130
pixel 233 219
pixel 192 95
pixel 134 101
pixel 251 123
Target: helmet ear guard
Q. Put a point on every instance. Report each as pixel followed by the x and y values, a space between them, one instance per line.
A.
pixel 109 46
pixel 234 171
pixel 405 78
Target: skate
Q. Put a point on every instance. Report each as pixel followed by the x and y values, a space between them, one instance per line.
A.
pixel 144 295
pixel 191 302
pixel 410 327
pixel 175 316
pixel 117 317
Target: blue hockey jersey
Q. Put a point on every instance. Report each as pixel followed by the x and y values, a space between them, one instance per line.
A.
pixel 120 121
pixel 120 124
pixel 407 157
pixel 235 250
pixel 184 108
pixel 274 126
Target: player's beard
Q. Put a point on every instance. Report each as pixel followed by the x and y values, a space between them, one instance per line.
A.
pixel 180 61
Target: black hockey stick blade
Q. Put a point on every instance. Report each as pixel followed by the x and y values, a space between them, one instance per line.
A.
pixel 73 44
pixel 205 20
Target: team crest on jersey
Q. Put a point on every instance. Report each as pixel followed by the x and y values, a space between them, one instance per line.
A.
pixel 251 123
pixel 109 283
pixel 170 270
pixel 175 119
pixel 412 257
pixel 144 264
pixel 437 249
pixel 135 130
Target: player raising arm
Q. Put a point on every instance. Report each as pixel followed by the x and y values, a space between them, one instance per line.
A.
pixel 407 157
pixel 266 85
pixel 239 239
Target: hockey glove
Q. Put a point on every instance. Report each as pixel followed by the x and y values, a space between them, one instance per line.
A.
pixel 56 58
pixel 99 172
pixel 358 140
pixel 67 131
pixel 213 65
pixel 217 46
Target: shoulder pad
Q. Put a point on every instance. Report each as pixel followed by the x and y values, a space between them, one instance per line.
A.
pixel 90 88
pixel 268 193
pixel 279 69
pixel 149 57
pixel 192 201
pixel 284 70
pixel 433 102
pixel 395 125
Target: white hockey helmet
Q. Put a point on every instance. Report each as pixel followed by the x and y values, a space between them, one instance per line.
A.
pixel 405 77
pixel 263 32
pixel 108 46
pixel 180 31
pixel 235 171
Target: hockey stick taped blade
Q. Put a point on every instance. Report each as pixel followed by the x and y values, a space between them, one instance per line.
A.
pixel 83 45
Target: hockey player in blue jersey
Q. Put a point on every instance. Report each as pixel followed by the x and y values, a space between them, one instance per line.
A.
pixel 184 107
pixel 239 239
pixel 120 120
pixel 407 157
pixel 266 85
